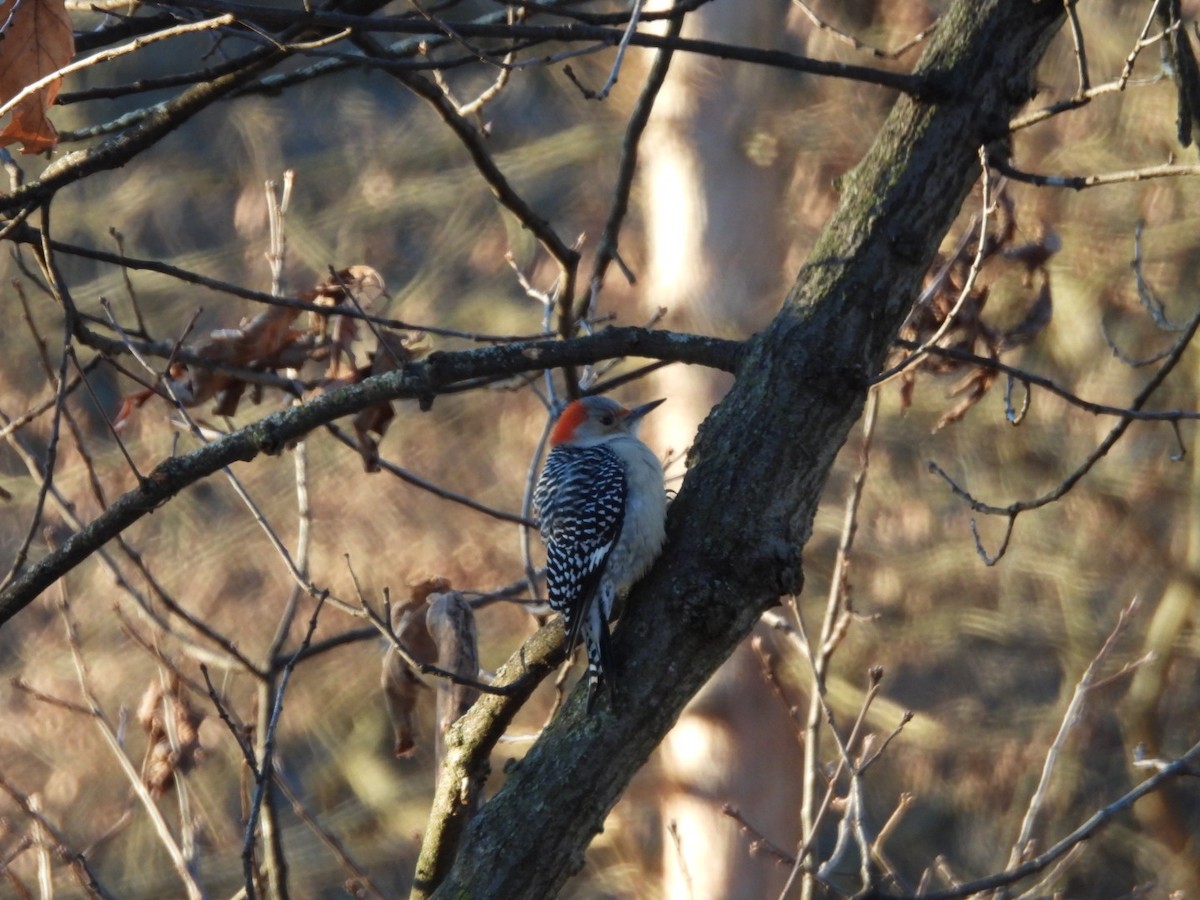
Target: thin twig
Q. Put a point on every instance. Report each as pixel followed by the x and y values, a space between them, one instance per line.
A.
pixel 361 877
pixel 100 407
pixel 18 422
pixel 1071 717
pixel 225 287
pixel 49 699
pixel 46 479
pixel 237 731
pixel 1085 81
pixel 968 287
pixel 77 860
pixel 759 843
pixel 1180 766
pixel 606 249
pixel 630 29
pixel 1098 179
pixel 269 699
pixel 1084 96
pixel 106 55
pixel 832 627
pixel 437 490
pixel 1150 301
pixel 263 777
pixel 1014 509
pixel 851 41
pixel 680 859
pixel 1031 379
pixel 119 239
pixel 162 829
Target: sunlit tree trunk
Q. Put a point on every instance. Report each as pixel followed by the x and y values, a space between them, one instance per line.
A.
pixel 712 179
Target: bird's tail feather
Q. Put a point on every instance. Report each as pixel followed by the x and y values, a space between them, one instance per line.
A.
pixel 600 663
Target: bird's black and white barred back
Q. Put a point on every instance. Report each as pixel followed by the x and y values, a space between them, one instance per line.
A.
pixel 580 501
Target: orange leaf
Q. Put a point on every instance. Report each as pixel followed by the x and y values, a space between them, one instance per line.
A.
pixel 128 404
pixel 37 40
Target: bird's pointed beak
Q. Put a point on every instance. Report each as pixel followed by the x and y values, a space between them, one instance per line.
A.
pixel 635 414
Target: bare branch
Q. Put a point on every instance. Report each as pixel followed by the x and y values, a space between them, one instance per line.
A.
pixel 419 380
pixel 162 829
pixel 1070 719
pixel 469 743
pixel 1079 182
pixel 1181 766
pixel 106 55
pixel 606 250
pixel 78 861
pixel 851 41
pixel 1064 487
pixel 262 775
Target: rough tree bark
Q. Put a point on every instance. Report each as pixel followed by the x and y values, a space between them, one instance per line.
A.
pixel 745 510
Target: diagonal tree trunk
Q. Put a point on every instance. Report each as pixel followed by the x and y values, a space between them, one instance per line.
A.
pixel 745 510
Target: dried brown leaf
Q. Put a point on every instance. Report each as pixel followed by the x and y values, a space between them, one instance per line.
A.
pixel 363 284
pixel 257 343
pixel 451 624
pixel 258 340
pixel 908 384
pixel 970 332
pixel 972 389
pixel 433 584
pixel 149 712
pixel 37 40
pixel 271 341
pixel 173 750
pixel 393 352
pixel 130 403
pixel 402 686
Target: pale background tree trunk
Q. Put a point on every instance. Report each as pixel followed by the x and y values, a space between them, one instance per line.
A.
pixel 711 186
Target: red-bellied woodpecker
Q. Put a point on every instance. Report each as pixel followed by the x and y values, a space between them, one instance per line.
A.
pixel 602 507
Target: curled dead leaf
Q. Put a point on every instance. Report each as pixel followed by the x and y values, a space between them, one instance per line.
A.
pixel 402 685
pixel 969 331
pixel 451 625
pixel 393 351
pixel 363 284
pixel 271 341
pixel 172 727
pixel 971 388
pixel 129 404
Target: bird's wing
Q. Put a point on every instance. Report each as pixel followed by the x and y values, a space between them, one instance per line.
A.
pixel 580 499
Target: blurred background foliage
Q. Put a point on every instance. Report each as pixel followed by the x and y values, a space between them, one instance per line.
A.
pixel 987 657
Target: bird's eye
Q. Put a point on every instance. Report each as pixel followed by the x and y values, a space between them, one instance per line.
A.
pixel 607 419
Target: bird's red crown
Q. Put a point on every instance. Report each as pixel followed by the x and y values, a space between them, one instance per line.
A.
pixel 572 417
